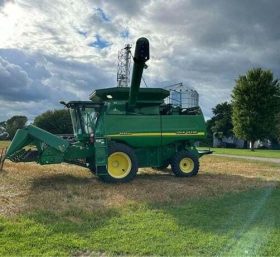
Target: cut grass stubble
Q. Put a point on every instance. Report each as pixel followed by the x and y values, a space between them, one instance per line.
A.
pixel 63 209
pixel 28 187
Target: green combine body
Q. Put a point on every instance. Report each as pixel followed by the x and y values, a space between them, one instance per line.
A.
pixel 119 130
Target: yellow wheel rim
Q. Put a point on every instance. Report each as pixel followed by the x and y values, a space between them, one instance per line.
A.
pixel 186 165
pixel 119 165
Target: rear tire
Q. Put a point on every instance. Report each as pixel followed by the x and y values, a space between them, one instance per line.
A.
pixel 185 164
pixel 122 164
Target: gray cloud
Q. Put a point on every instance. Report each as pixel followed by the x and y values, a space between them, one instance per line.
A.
pixel 237 22
pixel 207 46
pixel 23 76
pixel 74 71
pixel 210 45
pixel 30 79
pixel 2 2
pixel 15 84
pixel 129 8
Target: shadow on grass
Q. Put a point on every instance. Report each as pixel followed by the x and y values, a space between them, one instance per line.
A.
pixel 234 209
pixel 62 192
pixel 156 214
pixel 148 186
pixel 59 180
pixel 233 224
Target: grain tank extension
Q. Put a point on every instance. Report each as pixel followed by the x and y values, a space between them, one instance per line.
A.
pixel 120 130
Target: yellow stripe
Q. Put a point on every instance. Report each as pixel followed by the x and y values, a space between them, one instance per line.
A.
pixel 184 134
pixel 156 134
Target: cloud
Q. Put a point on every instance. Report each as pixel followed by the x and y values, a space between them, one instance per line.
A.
pixel 127 8
pixel 3 2
pixel 99 42
pixel 15 84
pixel 68 48
pixel 29 79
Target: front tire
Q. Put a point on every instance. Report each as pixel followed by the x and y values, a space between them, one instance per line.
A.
pixel 185 164
pixel 122 164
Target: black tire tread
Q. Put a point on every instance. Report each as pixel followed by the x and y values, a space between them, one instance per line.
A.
pixel 118 147
pixel 176 160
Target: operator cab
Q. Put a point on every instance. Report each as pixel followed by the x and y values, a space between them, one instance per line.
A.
pixel 84 115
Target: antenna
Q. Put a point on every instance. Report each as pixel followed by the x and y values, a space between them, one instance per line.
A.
pixel 124 59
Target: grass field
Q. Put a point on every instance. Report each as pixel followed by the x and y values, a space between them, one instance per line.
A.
pixel 4 144
pixel 230 209
pixel 248 152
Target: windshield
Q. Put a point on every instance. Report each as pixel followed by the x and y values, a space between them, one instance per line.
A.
pixel 83 119
pixel 88 119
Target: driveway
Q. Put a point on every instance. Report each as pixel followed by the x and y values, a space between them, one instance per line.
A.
pixel 263 159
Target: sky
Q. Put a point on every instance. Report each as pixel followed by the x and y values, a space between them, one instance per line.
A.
pixel 64 50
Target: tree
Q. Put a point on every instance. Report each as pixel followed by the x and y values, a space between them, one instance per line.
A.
pixel 221 121
pixel 3 133
pixel 255 103
pixel 3 124
pixel 15 123
pixel 208 140
pixel 277 134
pixel 275 139
pixel 56 121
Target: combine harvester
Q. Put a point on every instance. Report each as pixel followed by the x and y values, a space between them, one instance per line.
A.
pixel 120 130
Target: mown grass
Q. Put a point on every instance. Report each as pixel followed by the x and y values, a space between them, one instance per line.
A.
pixel 230 209
pixel 235 224
pixel 248 152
